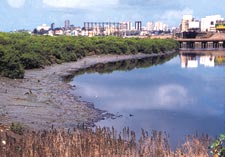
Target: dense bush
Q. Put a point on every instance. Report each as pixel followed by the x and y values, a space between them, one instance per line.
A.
pixel 19 51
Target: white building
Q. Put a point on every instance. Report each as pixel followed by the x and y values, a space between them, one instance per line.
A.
pixel 43 27
pixel 185 22
pixel 157 26
pixel 150 26
pixel 208 23
pixel 51 33
pixel 194 25
pixel 84 33
pixel 129 26
pixel 125 26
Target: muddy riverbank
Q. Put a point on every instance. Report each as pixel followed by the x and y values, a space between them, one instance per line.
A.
pixel 43 98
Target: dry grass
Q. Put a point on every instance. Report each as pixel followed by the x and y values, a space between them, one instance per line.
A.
pixel 98 142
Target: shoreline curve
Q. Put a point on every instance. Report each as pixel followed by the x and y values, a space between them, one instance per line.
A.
pixel 43 99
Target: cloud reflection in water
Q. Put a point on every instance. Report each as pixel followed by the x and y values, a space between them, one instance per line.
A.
pixel 114 97
pixel 165 97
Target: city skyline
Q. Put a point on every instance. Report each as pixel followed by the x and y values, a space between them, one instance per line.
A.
pixel 24 14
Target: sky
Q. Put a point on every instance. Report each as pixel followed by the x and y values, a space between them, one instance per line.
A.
pixel 28 14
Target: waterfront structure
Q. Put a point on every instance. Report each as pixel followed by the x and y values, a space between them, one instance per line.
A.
pixel 202 43
pixel 208 23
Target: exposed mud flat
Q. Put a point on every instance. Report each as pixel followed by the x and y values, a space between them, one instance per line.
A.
pixel 43 99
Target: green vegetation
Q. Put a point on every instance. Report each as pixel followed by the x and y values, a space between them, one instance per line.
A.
pixel 19 51
pixel 218 146
pixel 17 128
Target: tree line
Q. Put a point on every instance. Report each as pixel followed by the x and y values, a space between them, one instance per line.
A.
pixel 19 51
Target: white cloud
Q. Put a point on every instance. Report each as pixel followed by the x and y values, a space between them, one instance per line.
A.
pixel 16 3
pixel 172 95
pixel 176 14
pixel 78 3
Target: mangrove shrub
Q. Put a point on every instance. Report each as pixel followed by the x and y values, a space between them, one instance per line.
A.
pixel 19 51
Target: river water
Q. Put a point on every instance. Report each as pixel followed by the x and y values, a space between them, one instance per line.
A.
pixel 182 95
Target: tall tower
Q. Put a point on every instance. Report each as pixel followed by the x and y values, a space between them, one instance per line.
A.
pixel 52 26
pixel 138 25
pixel 129 26
pixel 185 22
pixel 67 24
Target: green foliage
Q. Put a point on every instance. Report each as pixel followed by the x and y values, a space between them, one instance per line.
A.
pixel 31 60
pixel 218 146
pixel 19 51
pixel 10 65
pixel 17 128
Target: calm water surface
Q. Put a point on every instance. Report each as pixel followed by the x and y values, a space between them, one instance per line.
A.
pixel 181 96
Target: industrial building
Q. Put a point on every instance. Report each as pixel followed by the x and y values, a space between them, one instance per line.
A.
pixel 138 25
pixel 220 26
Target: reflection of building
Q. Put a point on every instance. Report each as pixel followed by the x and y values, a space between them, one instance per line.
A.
pixel 193 61
pixel 220 60
pixel 208 61
pixel 188 61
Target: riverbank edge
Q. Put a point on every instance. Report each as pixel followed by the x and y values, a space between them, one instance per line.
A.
pixel 104 59
pixel 51 97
